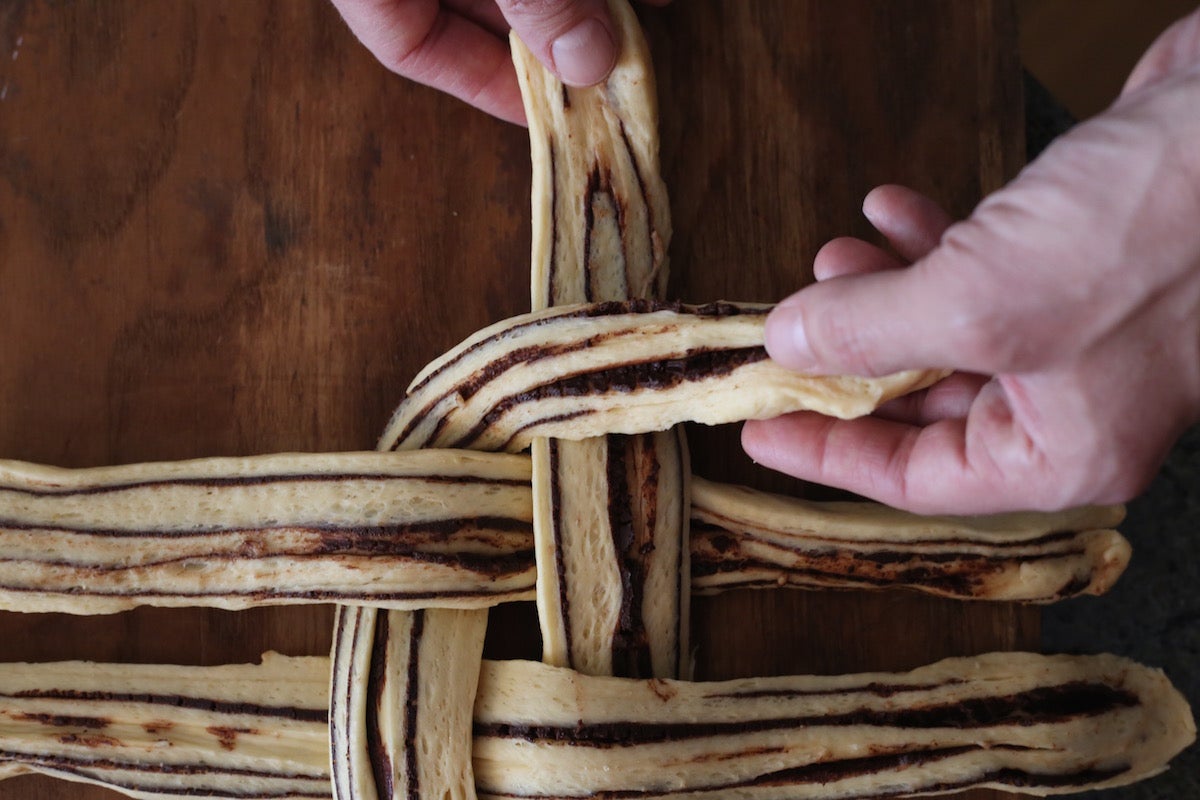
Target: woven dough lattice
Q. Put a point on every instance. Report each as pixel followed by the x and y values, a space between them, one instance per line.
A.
pixel 601 522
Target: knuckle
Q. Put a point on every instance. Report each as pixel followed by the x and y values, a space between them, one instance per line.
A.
pixel 403 55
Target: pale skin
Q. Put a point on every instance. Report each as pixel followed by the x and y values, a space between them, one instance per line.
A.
pixel 461 46
pixel 1067 304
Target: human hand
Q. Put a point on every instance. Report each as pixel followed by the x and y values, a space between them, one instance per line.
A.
pixel 461 46
pixel 1069 303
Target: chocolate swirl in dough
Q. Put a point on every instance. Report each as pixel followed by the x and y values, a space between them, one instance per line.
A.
pixel 1037 724
pixel 393 530
pixel 610 513
pixel 405 530
pixel 580 371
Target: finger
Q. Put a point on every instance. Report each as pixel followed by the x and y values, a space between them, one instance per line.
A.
pixel 850 256
pixel 954 308
pixel 431 45
pixel 950 398
pixel 1177 47
pixel 867 456
pixel 912 223
pixel 937 469
pixel 574 38
pixel 863 324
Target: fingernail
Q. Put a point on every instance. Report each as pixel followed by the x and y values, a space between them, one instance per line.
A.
pixel 584 55
pixel 786 340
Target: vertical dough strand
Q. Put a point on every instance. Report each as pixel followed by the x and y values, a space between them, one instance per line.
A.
pixel 349 696
pixel 403 689
pixel 619 497
pixel 610 514
pixel 601 217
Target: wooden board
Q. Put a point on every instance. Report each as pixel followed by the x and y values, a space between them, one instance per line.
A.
pixel 225 230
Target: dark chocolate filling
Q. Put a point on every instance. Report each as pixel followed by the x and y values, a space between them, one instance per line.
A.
pixel 179 701
pixel 1033 707
pixel 717 309
pixel 647 375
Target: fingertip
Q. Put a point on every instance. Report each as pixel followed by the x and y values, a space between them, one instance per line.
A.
pixel 787 444
pixel 575 39
pixel 912 222
pixel 879 202
pixel 786 339
pixel 1175 48
pixel 585 54
pixel 849 256
pixel 756 438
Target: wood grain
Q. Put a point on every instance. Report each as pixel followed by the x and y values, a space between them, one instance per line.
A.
pixel 225 230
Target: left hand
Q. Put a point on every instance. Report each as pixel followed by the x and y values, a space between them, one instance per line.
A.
pixel 461 46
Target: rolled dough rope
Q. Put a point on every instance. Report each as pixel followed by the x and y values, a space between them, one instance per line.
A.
pixel 601 216
pixel 406 530
pixel 151 731
pixel 402 687
pixel 416 713
pixel 610 513
pixel 742 538
pixel 580 371
pixel 387 529
pixel 1018 721
pixel 400 706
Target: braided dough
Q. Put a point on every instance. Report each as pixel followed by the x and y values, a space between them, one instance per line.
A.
pixel 404 530
pixel 610 517
pixel 579 371
pixel 389 530
pixel 1042 725
pixel 440 535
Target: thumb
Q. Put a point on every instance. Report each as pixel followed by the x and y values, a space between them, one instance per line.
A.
pixel 866 324
pixel 574 38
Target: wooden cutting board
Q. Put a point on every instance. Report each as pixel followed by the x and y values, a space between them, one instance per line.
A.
pixel 225 230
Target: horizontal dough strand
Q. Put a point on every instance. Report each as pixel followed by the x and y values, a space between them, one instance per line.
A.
pixel 160 731
pixel 1031 723
pixel 393 530
pixel 415 529
pixel 1018 721
pixel 742 538
pixel 573 372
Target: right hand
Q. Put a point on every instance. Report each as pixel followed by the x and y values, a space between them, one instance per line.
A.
pixel 461 46
pixel 1069 304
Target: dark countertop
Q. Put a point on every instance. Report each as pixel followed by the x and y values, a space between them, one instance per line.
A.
pixel 1152 615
